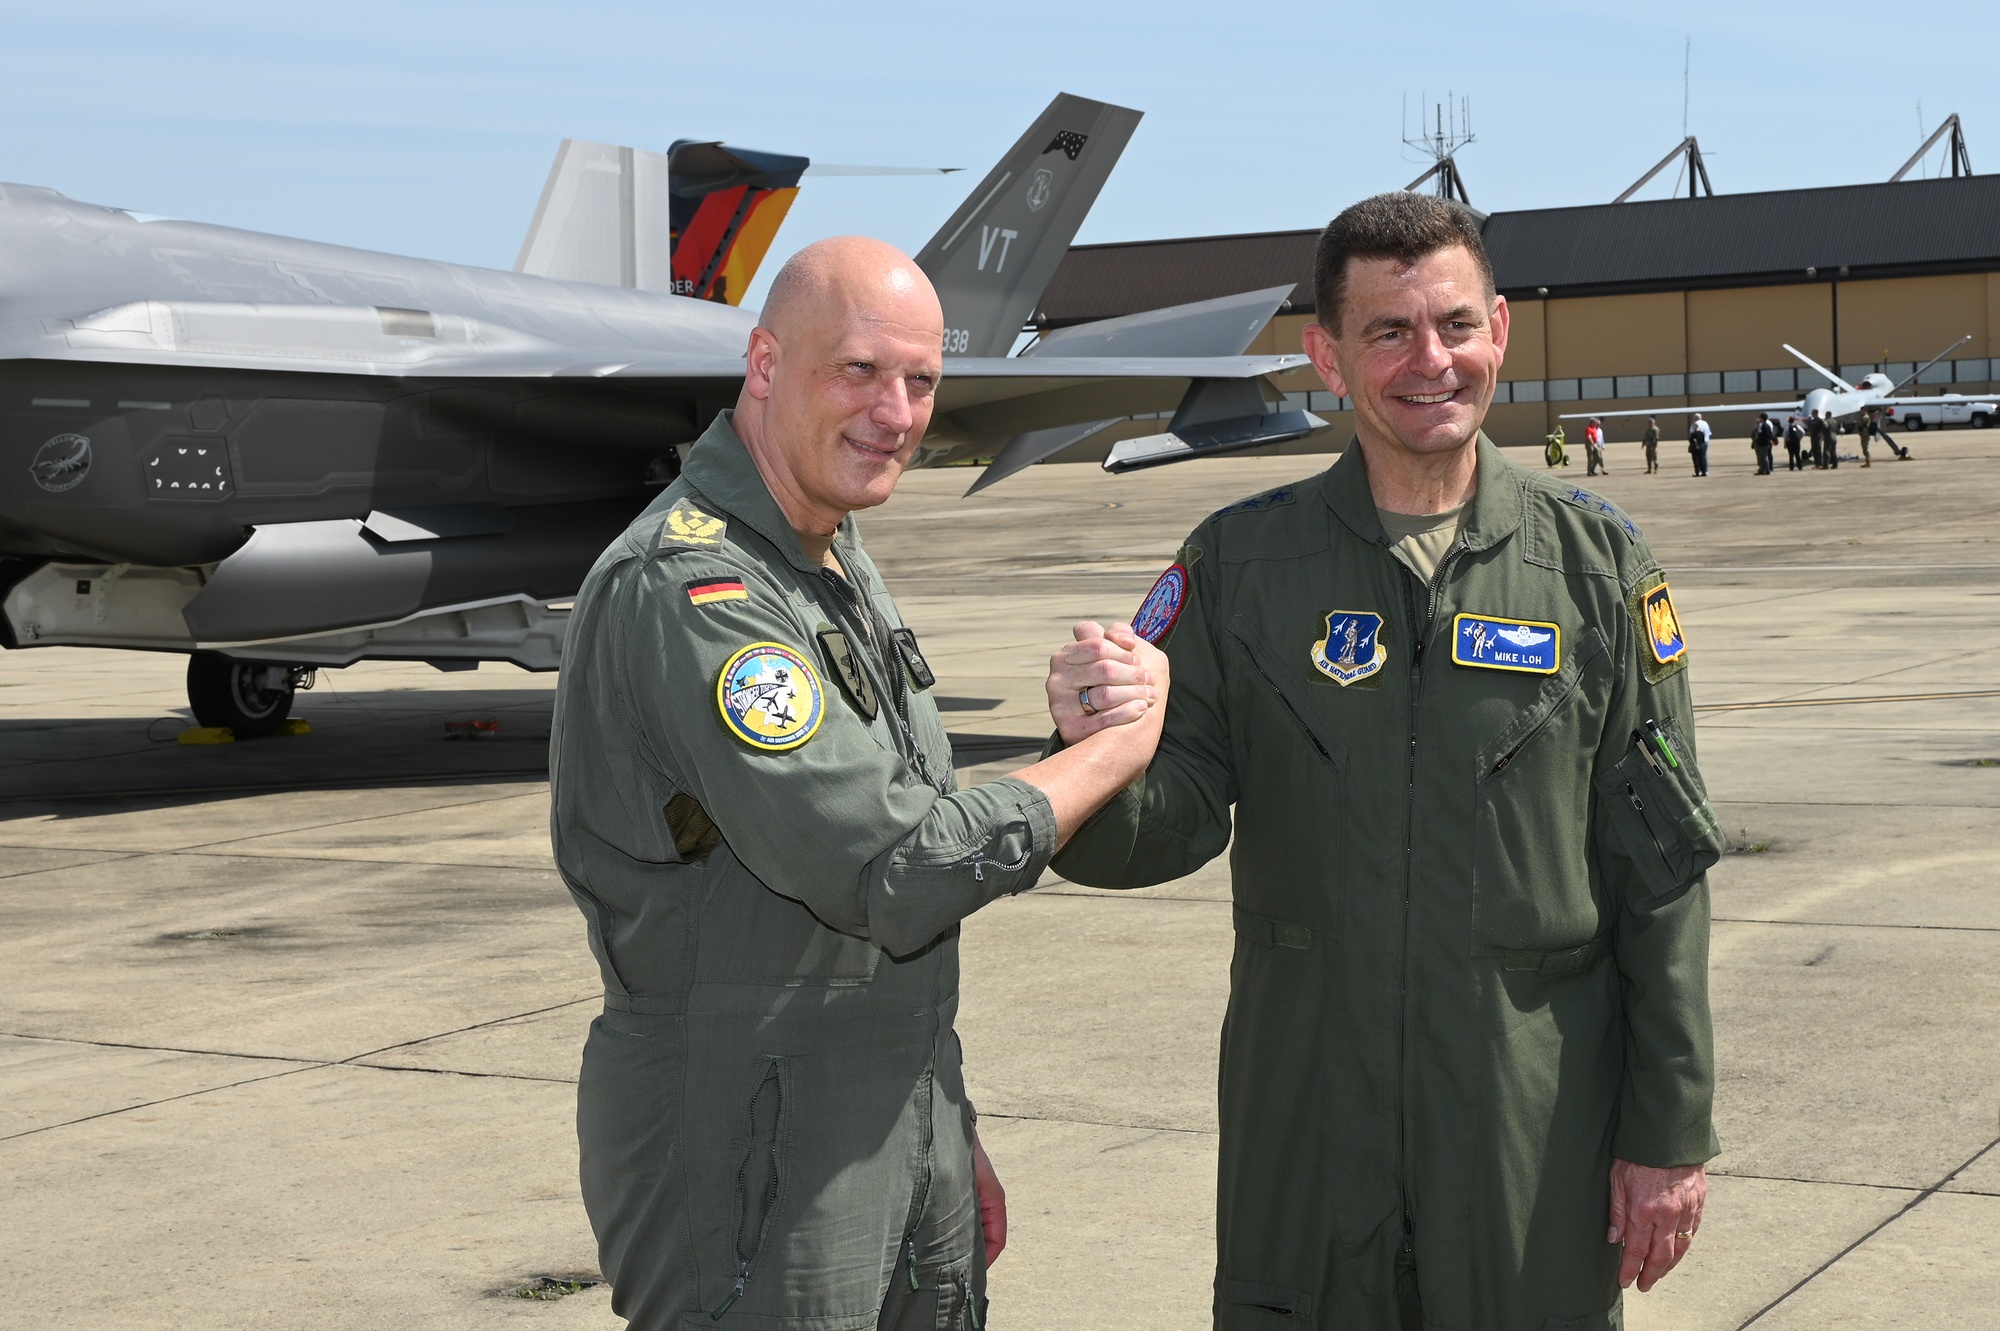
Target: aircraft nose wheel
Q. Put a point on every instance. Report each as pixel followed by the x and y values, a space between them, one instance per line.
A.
pixel 251 698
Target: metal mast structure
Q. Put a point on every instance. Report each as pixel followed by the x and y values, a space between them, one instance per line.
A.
pixel 1961 160
pixel 1442 141
pixel 1697 172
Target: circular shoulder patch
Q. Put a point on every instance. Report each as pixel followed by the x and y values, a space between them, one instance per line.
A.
pixel 1161 609
pixel 769 697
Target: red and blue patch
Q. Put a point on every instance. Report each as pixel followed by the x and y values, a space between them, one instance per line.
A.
pixel 1161 609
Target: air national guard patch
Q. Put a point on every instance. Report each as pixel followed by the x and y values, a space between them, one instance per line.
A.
pixel 1161 609
pixel 1663 647
pixel 687 525
pixel 1352 648
pixel 769 697
pixel 1506 644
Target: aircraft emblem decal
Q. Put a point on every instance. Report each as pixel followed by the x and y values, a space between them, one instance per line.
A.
pixel 1038 189
pixel 769 697
pixel 1527 645
pixel 1352 648
pixel 1069 141
pixel 61 463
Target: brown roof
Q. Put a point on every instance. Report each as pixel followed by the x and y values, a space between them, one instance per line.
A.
pixel 1104 281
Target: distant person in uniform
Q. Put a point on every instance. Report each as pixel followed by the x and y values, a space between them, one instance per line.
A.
pixel 1817 426
pixel 1435 708
pixel 1832 441
pixel 1698 437
pixel 1866 429
pixel 753 806
pixel 1593 447
pixel 1794 436
pixel 1651 440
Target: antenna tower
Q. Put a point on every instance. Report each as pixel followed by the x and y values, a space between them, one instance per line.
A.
pixel 1450 130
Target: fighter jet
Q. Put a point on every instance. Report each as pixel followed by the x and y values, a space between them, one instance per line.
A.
pixel 1841 401
pixel 275 455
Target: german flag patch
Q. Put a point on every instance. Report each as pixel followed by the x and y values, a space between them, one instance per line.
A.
pixel 707 591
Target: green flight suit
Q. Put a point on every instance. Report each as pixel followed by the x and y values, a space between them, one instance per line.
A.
pixel 1470 967
pixel 772 867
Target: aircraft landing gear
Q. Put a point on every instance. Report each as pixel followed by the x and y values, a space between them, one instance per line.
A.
pixel 250 698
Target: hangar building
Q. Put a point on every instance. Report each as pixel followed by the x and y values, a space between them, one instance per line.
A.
pixel 1649 304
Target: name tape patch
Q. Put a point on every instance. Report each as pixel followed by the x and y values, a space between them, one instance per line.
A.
pixel 769 697
pixel 1506 644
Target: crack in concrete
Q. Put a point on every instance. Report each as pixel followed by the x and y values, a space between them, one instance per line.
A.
pixel 1902 1211
pixel 305 1064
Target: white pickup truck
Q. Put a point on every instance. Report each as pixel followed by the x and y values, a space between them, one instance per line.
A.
pixel 1914 413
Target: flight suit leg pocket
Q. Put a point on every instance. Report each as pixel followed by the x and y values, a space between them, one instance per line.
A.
pixel 1246 1305
pixel 1660 806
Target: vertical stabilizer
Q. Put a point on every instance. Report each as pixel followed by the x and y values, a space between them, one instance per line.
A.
pixel 603 218
pixel 693 221
pixel 995 255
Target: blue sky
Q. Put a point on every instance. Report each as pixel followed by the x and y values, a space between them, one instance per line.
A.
pixel 427 127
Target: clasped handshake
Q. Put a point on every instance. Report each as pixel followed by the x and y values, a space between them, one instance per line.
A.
pixel 1109 680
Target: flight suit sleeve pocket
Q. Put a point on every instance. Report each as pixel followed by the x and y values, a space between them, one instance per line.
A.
pixel 1661 809
pixel 1247 1304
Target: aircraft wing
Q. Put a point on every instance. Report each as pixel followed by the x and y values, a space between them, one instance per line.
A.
pixel 1792 406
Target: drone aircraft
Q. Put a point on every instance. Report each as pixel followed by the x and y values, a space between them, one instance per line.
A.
pixel 1875 391
pixel 274 455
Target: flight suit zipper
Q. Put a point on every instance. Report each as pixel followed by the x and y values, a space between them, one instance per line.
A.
pixel 1554 706
pixel 756 1242
pixel 1420 631
pixel 921 1198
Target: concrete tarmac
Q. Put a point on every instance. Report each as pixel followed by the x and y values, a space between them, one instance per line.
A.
pixel 289 1029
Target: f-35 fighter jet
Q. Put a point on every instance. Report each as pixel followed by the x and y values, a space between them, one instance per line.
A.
pixel 275 455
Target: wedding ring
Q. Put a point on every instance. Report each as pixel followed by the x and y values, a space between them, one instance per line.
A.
pixel 1683 1233
pixel 1083 701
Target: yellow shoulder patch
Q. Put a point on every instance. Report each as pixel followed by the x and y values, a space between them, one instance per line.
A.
pixel 1662 640
pixel 688 525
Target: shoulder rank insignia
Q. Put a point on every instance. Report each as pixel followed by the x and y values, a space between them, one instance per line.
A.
pixel 688 525
pixel 707 591
pixel 1584 499
pixel 1352 648
pixel 847 668
pixel 1506 644
pixel 1161 609
pixel 913 658
pixel 769 697
pixel 1258 503
pixel 1662 642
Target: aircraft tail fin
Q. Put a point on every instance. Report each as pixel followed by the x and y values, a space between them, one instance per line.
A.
pixel 994 256
pixel 695 220
pixel 1838 382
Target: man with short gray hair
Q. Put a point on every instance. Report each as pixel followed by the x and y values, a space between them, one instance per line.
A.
pixel 1436 707
pixel 753 805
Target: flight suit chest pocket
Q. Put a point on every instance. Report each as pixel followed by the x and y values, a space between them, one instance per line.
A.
pixel 1660 806
pixel 1288 855
pixel 1531 878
